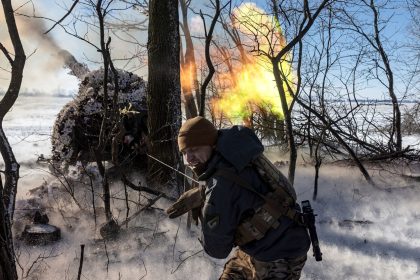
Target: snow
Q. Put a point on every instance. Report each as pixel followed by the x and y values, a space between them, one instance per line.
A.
pixel 365 232
pixel 82 115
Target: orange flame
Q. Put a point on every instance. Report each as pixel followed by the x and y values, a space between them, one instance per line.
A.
pixel 252 86
pixel 187 78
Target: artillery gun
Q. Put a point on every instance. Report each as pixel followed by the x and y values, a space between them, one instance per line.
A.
pixel 77 127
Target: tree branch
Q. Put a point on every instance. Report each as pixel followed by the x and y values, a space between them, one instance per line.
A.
pixel 64 17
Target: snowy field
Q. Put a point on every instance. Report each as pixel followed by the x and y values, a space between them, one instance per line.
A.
pixel 366 232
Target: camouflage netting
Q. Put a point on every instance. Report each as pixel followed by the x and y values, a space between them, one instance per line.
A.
pixel 76 129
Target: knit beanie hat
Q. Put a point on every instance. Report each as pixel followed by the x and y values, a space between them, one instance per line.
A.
pixel 196 132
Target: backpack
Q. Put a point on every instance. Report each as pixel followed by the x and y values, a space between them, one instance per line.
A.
pixel 280 201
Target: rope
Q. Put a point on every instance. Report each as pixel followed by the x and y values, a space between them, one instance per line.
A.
pixel 176 170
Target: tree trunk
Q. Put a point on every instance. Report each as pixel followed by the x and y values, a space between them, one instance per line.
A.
pixel 108 116
pixel 209 37
pixel 17 64
pixel 306 24
pixel 163 91
pixel 8 193
pixel 7 263
pixel 287 120
pixel 189 67
pixel 396 121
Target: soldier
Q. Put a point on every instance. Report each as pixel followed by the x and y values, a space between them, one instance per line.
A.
pixel 233 208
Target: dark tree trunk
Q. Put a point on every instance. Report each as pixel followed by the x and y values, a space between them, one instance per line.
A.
pixel 7 263
pixel 163 91
pixel 8 192
pixel 209 37
pixel 17 64
pixel 108 116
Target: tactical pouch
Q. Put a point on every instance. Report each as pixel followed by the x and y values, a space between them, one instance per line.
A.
pixel 255 227
pixel 279 202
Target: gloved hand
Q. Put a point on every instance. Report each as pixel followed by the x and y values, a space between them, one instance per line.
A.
pixel 196 214
pixel 190 200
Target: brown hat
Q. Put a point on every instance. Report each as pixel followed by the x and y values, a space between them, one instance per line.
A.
pixel 196 132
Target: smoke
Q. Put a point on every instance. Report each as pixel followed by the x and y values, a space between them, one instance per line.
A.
pixel 196 26
pixel 77 69
pixel 33 30
pixel 44 66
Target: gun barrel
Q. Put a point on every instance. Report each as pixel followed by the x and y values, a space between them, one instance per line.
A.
pixel 315 244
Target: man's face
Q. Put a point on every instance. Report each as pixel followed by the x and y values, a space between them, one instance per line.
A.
pixel 197 156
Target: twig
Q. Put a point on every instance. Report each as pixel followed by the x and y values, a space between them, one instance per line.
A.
pixel 176 237
pixel 6 53
pixel 40 258
pixel 127 206
pixel 82 247
pixel 144 189
pixel 107 256
pixel 93 193
pixel 151 202
pixel 196 253
pixel 145 274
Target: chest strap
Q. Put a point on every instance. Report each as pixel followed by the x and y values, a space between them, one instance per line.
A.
pixel 276 204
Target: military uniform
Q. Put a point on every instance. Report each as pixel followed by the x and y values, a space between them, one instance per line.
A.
pixel 242 266
pixel 281 252
pixel 242 206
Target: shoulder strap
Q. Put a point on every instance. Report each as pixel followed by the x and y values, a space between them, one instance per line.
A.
pixel 277 203
pixel 270 173
pixel 232 176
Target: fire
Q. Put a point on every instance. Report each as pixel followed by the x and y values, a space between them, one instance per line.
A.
pixel 187 78
pixel 254 90
pixel 252 86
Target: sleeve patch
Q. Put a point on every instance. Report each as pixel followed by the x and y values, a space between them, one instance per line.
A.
pixel 213 221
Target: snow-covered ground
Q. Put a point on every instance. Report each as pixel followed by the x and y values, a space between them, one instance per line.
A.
pixel 366 232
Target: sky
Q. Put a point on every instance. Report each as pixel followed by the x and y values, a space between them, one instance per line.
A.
pixel 44 72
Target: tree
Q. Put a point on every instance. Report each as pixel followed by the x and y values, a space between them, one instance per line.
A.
pixel 305 20
pixel 381 69
pixel 108 116
pixel 8 192
pixel 163 92
pixel 209 36
pixel 188 65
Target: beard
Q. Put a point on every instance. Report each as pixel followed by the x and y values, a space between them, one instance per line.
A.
pixel 199 169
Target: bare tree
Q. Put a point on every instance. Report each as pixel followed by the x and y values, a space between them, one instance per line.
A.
pixel 414 8
pixel 380 58
pixel 109 117
pixel 307 16
pixel 209 36
pixel 188 65
pixel 164 96
pixel 414 46
pixel 17 64
pixel 11 172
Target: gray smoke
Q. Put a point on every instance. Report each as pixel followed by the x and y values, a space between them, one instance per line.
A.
pixel 35 29
pixel 76 68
